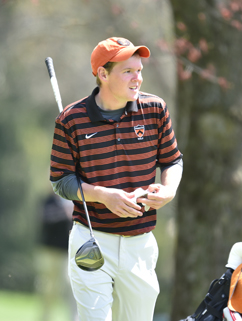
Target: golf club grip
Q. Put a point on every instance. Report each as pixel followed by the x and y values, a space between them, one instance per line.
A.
pixel 50 67
pixel 54 83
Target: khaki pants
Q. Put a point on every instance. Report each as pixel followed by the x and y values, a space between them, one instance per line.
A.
pixel 126 287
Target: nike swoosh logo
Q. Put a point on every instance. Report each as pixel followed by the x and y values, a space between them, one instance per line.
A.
pixel 89 136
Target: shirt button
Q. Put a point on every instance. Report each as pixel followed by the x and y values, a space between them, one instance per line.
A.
pixel 117 125
pixel 119 139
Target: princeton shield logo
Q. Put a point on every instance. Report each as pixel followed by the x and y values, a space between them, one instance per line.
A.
pixel 139 131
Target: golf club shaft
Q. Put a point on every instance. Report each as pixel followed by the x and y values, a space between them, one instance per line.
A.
pixel 85 208
pixel 54 83
pixel 55 87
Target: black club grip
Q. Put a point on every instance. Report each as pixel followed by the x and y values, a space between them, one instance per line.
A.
pixel 50 66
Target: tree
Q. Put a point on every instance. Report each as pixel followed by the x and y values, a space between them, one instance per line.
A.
pixel 209 103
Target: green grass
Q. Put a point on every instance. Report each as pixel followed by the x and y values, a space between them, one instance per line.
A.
pixel 27 307
pixel 16 306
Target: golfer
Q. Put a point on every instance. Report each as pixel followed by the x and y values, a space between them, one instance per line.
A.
pixel 112 141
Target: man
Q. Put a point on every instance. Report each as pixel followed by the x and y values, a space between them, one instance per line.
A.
pixel 112 141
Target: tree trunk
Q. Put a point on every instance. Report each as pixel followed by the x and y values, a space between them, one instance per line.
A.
pixel 209 131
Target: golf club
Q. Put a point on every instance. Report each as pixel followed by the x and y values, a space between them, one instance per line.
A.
pixel 89 256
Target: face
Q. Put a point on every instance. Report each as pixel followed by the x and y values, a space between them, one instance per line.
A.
pixel 124 81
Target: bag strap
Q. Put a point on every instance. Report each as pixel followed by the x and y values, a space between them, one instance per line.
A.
pixel 212 292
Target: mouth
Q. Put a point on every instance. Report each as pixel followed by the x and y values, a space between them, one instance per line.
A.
pixel 134 88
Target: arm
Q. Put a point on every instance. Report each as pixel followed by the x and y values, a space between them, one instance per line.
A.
pixel 169 158
pixel 117 201
pixel 161 194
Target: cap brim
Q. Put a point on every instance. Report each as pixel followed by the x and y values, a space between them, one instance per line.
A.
pixel 126 53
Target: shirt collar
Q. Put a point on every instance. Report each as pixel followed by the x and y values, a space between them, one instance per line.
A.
pixel 94 112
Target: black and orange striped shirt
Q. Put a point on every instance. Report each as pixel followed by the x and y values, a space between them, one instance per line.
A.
pixel 108 153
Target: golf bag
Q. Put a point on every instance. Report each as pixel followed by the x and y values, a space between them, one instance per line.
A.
pixel 229 315
pixel 233 312
pixel 211 308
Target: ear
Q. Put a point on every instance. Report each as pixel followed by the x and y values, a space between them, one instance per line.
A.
pixel 102 73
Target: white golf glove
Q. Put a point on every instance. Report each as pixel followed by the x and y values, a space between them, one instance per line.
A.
pixel 140 192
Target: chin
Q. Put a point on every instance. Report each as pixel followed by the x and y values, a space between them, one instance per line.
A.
pixel 134 97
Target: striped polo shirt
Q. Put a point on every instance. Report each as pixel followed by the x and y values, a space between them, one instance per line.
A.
pixel 120 154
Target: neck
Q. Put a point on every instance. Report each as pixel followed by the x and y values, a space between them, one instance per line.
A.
pixel 106 102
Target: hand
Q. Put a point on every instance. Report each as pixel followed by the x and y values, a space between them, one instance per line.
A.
pixel 158 196
pixel 120 203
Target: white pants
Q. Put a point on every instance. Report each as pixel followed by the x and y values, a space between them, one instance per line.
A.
pixel 126 287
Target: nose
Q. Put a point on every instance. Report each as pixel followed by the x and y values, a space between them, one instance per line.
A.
pixel 138 76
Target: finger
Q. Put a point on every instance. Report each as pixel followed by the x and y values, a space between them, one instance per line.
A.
pixel 155 197
pixel 125 214
pixel 121 215
pixel 142 200
pixel 153 188
pixel 131 212
pixel 130 195
pixel 133 205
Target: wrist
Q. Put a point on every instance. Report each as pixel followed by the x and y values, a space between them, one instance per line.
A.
pixel 91 193
pixel 99 193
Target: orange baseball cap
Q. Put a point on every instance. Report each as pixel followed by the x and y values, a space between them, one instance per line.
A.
pixel 115 49
pixel 235 293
